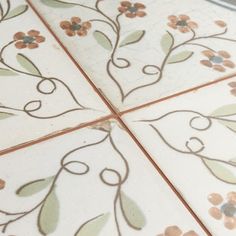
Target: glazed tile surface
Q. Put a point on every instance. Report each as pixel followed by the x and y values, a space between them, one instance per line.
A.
pixel 140 52
pixel 90 185
pixel 41 90
pixel 192 138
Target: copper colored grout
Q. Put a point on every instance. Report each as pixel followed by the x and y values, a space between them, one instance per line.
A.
pixel 54 135
pixel 159 170
pixel 177 94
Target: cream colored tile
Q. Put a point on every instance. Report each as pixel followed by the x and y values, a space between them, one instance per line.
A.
pixel 192 138
pixel 41 90
pixel 95 181
pixel 173 47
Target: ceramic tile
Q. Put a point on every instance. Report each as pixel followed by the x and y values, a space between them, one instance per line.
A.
pixel 41 90
pixel 88 183
pixel 192 138
pixel 143 52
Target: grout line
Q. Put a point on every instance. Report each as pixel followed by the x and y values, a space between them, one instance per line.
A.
pixel 54 135
pixel 177 94
pixel 166 179
pixel 104 99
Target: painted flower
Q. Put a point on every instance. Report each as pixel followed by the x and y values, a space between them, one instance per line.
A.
pixel 176 231
pixel 217 60
pixel 224 209
pixel 233 86
pixel 29 40
pixel 75 26
pixel 132 10
pixel 2 184
pixel 182 22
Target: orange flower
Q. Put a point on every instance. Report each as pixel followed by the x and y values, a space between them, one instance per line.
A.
pixel 2 184
pixel 29 40
pixel 221 209
pixel 176 231
pixel 132 10
pixel 217 60
pixel 74 26
pixel 182 23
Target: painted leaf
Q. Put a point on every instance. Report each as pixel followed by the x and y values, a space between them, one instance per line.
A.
pixel 94 226
pixel 167 42
pixel 226 110
pixel 132 213
pixel 6 72
pixel 5 115
pixel 229 124
pixel 27 64
pixel 34 187
pixel 180 57
pixel 222 171
pixel 57 3
pixel 16 11
pixel 102 40
pixel 133 38
pixel 49 214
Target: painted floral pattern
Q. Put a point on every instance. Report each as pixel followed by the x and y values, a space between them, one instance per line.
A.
pixel 176 231
pixel 224 209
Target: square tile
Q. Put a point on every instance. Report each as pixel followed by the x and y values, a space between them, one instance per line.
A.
pixel 139 53
pixel 192 138
pixel 94 181
pixel 41 90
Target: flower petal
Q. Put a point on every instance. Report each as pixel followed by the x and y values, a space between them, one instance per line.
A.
pixel 191 233
pixel 230 222
pixel 140 13
pixel 233 92
pixel 139 5
pixel 20 45
pixel 19 35
pixel 82 32
pixel 32 45
pixel 75 20
pixel 125 4
pixel 215 213
pixel 206 63
pixel 39 39
pixel 70 32
pixel 208 53
pixel 173 231
pixel 65 25
pixel 130 15
pixel 122 9
pixel 184 17
pixel 220 23
pixel 232 195
pixel 33 33
pixel 218 68
pixel 228 63
pixel 224 54
pixel 192 25
pixel 86 25
pixel 173 18
pixel 184 29
pixel 215 199
pixel 232 84
pixel 2 184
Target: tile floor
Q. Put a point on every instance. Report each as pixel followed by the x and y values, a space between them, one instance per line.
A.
pixel 117 118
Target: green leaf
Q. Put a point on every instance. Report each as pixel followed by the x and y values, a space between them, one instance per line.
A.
pixel 227 110
pixel 180 57
pixel 103 40
pixel 49 214
pixel 5 115
pixel 27 64
pixel 57 4
pixel 133 38
pixel 16 12
pixel 34 187
pixel 222 171
pixel 229 124
pixel 132 213
pixel 167 42
pixel 6 72
pixel 94 226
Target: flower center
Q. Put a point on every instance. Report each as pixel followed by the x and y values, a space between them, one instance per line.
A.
pixel 182 23
pixel 216 59
pixel 28 39
pixel 75 27
pixel 132 9
pixel 228 209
